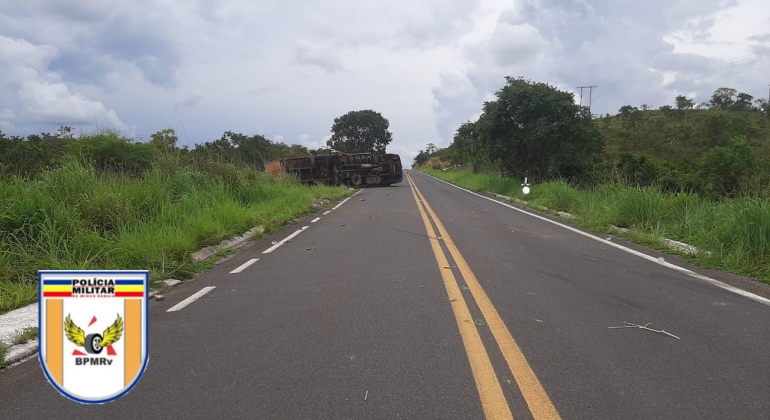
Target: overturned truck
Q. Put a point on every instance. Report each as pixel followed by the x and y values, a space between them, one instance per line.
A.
pixel 351 169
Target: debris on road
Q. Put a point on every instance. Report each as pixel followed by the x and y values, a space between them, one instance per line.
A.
pixel 158 297
pixel 630 325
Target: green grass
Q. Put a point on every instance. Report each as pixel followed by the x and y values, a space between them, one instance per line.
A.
pixel 73 218
pixel 21 337
pixel 736 232
pixel 3 350
pixel 25 335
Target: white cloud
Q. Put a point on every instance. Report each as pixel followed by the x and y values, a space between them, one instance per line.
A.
pixel 7 114
pixel 427 65
pixel 322 55
pixel 54 103
pixel 278 138
pixel 511 44
pixel 39 95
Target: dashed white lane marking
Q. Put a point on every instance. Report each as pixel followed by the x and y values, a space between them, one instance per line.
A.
pixel 315 220
pixel 341 203
pixel 191 299
pixel 664 263
pixel 327 212
pixel 244 266
pixel 287 239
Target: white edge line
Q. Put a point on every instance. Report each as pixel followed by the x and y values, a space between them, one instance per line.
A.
pixel 244 266
pixel 327 212
pixel 191 299
pixel 286 239
pixel 690 273
pixel 315 220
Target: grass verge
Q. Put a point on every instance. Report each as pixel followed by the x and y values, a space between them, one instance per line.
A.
pixel 71 218
pixel 736 233
pixel 21 337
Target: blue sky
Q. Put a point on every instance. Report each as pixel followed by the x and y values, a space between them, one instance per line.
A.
pixel 286 69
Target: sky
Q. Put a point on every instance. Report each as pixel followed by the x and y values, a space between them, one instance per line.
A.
pixel 286 68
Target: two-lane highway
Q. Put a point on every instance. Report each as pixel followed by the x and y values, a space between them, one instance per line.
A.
pixel 422 301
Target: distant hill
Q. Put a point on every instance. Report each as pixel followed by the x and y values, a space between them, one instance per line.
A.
pixel 672 135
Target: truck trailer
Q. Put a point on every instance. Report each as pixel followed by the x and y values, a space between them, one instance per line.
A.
pixel 351 169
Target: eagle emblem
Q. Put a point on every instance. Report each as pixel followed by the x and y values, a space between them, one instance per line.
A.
pixel 93 343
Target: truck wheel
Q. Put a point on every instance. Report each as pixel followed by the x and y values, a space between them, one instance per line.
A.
pixel 93 344
pixel 355 180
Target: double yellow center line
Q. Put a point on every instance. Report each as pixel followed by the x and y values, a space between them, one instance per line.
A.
pixel 493 399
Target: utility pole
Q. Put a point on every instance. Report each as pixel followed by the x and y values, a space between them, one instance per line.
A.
pixel 590 91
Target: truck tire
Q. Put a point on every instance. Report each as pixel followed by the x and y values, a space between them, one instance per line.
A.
pixel 355 180
pixel 93 345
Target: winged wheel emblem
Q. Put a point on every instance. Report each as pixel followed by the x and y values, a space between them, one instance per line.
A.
pixel 93 343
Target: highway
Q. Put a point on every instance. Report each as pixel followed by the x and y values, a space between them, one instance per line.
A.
pixel 424 301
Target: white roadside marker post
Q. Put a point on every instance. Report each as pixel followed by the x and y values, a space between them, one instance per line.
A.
pixel 525 190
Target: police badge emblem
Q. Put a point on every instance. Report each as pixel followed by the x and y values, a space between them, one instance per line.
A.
pixel 94 328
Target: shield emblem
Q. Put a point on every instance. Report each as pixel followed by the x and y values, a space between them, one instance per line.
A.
pixel 93 329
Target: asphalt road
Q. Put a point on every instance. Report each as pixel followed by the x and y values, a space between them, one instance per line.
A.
pixel 433 303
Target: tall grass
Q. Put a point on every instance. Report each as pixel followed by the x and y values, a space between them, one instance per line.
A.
pixel 72 217
pixel 736 232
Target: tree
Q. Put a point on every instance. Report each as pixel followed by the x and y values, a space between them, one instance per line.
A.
pixel 164 139
pixel 743 103
pixel 467 146
pixel 721 170
pixel 683 104
pixel 421 158
pixel 65 132
pixel 360 131
pixel 723 98
pixel 763 106
pixel 535 130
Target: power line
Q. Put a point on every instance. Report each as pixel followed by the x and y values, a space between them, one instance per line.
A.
pixel 744 59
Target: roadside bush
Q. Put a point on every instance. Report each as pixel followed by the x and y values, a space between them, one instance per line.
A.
pixel 640 207
pixel 559 195
pixel 107 152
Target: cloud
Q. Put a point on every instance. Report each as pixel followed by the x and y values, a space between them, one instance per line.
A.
pixel 39 94
pixel 291 67
pixel 53 103
pixel 190 100
pixel 7 114
pixel 278 138
pixel 637 53
pixel 512 44
pixel 321 55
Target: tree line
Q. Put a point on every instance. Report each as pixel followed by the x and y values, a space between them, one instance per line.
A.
pixel 719 148
pixel 108 151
